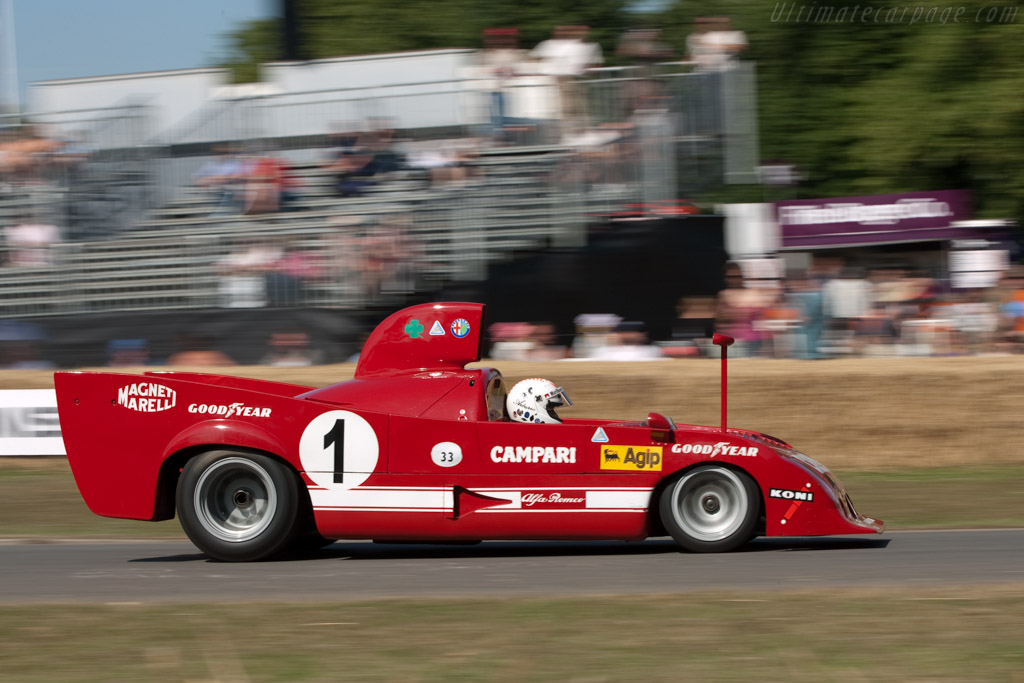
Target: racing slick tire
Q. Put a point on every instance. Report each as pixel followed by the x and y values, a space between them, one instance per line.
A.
pixel 711 509
pixel 238 507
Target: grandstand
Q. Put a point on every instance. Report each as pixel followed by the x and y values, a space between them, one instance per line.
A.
pixel 139 236
pixel 168 259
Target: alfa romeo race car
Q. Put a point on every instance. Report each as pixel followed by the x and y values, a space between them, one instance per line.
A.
pixel 418 448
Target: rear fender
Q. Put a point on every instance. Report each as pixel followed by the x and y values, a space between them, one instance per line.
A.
pixel 224 434
pixel 209 436
pixel 117 452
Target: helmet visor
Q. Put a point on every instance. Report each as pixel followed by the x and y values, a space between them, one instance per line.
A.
pixel 562 397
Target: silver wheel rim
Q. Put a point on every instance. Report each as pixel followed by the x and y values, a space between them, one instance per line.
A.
pixel 235 499
pixel 710 504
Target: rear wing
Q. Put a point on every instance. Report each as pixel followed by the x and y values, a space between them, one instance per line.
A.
pixel 427 337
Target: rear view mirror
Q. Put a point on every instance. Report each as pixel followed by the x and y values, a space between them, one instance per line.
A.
pixel 661 427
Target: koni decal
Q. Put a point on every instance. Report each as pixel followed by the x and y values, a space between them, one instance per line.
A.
pixel 534 454
pixel 786 494
pixel 636 458
pixel 798 498
pixel 146 397
pixel 711 450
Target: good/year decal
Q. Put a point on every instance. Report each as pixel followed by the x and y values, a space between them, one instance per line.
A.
pixel 720 448
pixel 339 450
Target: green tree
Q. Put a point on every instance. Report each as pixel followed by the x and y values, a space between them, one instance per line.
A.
pixel 859 107
pixel 891 106
pixel 339 28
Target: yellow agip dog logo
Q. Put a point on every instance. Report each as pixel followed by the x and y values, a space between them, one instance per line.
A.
pixel 633 458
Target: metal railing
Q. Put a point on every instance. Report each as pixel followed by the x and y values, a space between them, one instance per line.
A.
pixel 349 256
pixel 98 179
pixel 640 136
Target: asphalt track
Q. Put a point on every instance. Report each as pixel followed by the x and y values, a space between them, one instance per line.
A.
pixel 173 571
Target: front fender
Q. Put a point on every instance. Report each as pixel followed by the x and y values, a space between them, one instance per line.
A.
pixel 801 496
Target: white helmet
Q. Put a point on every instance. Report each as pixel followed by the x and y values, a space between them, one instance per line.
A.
pixel 535 400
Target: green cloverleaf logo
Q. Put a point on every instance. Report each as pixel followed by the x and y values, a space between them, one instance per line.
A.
pixel 414 329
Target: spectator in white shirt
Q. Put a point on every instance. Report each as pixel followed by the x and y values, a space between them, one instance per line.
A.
pixel 714 46
pixel 566 56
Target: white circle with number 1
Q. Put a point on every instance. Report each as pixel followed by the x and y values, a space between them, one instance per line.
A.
pixel 339 449
pixel 446 454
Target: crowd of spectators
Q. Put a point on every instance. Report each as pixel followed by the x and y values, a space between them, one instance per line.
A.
pixel 828 311
pixel 373 260
pixel 29 243
pixel 28 156
pixel 29 163
pixel 359 160
pixel 833 309
pixel 247 183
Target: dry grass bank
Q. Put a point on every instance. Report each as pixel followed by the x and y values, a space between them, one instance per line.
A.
pixel 860 414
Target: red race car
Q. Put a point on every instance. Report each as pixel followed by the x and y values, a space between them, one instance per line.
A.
pixel 418 448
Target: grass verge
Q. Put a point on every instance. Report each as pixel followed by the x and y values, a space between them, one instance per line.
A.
pixel 871 635
pixel 38 499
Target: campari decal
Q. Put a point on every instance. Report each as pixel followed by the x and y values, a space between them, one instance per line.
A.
pixel 534 454
pixel 146 397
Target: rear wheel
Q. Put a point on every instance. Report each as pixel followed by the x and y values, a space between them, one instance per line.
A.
pixel 238 507
pixel 711 509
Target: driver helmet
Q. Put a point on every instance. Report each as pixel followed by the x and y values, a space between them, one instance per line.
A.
pixel 534 401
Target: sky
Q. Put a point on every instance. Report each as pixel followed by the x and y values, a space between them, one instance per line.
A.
pixel 74 38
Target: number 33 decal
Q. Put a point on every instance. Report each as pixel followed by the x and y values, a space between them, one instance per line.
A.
pixel 446 454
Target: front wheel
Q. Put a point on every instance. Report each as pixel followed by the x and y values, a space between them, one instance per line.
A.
pixel 238 507
pixel 711 509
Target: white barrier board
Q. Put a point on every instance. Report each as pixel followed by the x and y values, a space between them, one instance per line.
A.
pixel 28 423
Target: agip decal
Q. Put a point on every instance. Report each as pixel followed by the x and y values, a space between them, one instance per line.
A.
pixel 631 458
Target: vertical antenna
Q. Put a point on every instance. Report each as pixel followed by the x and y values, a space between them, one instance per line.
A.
pixel 723 341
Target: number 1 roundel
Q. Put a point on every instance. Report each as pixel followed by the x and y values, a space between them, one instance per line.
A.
pixel 339 449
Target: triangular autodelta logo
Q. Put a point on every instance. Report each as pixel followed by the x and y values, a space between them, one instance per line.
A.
pixel 437 329
pixel 599 436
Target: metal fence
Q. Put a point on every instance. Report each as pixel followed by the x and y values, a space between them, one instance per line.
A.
pixel 95 182
pixel 374 250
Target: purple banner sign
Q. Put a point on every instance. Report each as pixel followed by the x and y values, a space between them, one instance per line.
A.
pixel 875 219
